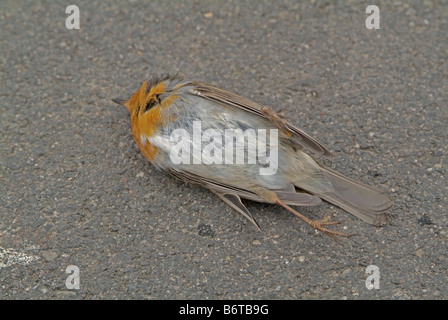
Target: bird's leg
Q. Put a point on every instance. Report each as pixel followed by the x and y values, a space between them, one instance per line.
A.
pixel 316 224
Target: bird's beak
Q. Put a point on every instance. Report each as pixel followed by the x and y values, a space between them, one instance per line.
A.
pixel 121 101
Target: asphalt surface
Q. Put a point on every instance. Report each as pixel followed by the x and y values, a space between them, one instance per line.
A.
pixel 75 189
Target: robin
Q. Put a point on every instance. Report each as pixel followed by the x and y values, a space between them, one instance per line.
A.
pixel 166 111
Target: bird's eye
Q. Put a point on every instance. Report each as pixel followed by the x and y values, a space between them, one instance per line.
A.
pixel 152 102
pixel 149 105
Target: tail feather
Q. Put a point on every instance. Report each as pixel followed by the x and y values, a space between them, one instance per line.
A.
pixel 368 203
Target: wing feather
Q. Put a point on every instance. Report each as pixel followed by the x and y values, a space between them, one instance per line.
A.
pixel 298 136
pixel 288 194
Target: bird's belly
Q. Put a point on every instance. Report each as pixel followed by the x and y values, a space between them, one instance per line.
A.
pixel 229 147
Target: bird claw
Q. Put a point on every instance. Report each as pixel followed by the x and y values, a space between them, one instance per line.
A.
pixel 318 224
pixel 321 225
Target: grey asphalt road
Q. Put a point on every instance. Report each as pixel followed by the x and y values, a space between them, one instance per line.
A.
pixel 75 189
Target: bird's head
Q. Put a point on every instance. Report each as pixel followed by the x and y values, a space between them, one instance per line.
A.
pixel 157 91
pixel 149 109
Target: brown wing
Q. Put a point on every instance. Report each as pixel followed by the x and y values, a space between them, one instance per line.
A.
pixel 288 194
pixel 232 195
pixel 296 135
